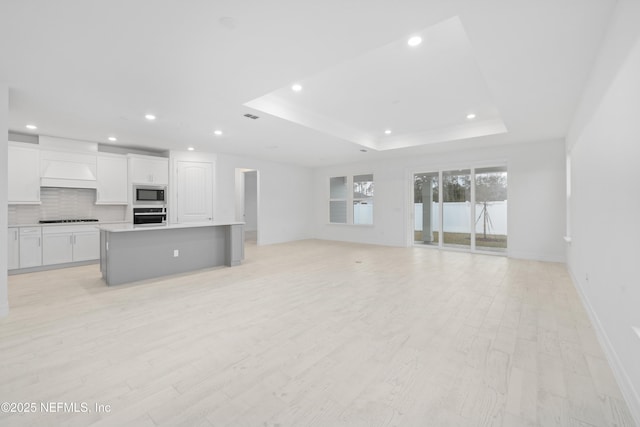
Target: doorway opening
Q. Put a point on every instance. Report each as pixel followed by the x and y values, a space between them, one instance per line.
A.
pixel 247 202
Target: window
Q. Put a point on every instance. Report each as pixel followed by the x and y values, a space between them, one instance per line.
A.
pixel 363 199
pixel 338 200
pixel 351 207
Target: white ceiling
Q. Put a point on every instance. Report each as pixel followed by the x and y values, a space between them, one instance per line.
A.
pixel 89 70
pixel 420 94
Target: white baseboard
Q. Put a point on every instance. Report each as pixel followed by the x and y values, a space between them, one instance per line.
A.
pixel 631 396
pixel 536 256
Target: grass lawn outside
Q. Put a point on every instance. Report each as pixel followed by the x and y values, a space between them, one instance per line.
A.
pixel 497 241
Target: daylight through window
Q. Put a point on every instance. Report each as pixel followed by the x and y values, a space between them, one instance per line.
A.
pixel 354 207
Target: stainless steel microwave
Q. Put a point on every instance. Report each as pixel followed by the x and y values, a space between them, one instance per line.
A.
pixel 145 194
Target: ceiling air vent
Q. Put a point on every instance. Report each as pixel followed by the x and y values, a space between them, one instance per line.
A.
pixel 251 116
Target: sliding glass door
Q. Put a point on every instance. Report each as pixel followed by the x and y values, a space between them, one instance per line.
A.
pixel 426 229
pixel 456 205
pixel 491 208
pixel 462 208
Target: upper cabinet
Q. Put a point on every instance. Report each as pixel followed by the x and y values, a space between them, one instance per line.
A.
pixel 148 170
pixel 112 186
pixel 23 173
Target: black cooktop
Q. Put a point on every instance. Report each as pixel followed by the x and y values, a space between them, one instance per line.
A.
pixel 58 221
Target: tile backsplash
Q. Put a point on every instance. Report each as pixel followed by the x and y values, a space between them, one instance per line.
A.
pixel 65 203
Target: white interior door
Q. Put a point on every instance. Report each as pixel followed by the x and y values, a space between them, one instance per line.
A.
pixel 194 195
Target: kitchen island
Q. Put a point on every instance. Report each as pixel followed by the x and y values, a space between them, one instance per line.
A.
pixel 130 253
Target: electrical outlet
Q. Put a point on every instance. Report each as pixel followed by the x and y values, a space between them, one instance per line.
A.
pixel 636 329
pixel 176 253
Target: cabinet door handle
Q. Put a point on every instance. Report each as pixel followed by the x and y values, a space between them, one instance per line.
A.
pixel 71 240
pixel 39 241
pixel 15 235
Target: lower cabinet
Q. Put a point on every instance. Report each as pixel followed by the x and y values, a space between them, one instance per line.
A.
pixel 64 244
pixel 86 245
pixel 13 251
pixel 57 248
pixel 30 247
pixel 36 246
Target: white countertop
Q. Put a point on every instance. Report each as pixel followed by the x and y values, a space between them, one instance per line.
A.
pixel 120 228
pixel 58 224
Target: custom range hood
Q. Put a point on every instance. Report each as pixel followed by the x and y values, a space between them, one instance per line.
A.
pixel 67 164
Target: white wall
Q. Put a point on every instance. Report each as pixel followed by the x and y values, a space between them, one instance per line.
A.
pixel 4 132
pixel 536 197
pixel 604 143
pixel 285 200
pixel 251 200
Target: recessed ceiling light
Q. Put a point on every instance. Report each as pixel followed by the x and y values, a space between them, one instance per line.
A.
pixel 190 148
pixel 296 87
pixel 217 132
pixel 414 41
pixel 150 117
pixel 471 116
pixel 113 139
pixel 32 127
pixel 387 132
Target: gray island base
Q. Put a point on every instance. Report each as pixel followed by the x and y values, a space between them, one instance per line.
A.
pixel 129 254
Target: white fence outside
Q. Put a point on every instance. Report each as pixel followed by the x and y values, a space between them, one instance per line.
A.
pixel 456 217
pixel 363 214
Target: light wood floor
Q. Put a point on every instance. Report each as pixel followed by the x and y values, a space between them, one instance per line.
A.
pixel 312 333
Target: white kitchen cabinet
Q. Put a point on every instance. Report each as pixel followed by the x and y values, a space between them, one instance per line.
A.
pixel 112 182
pixel 86 245
pixel 62 244
pixel 23 173
pixel 57 248
pixel 13 260
pixel 148 170
pixel 30 247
